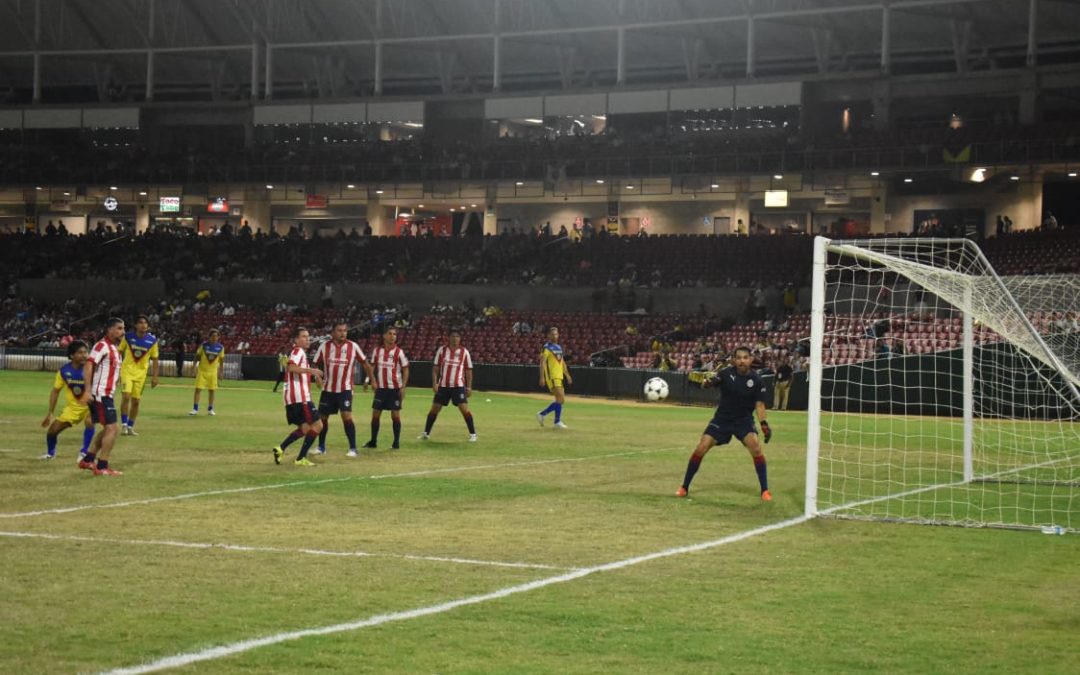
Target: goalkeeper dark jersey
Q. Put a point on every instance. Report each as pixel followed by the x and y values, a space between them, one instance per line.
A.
pixel 738 393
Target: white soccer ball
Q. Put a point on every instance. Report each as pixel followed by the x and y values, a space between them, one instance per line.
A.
pixel 656 389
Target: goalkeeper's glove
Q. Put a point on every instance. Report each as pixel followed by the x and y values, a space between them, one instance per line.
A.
pixel 697 377
pixel 766 431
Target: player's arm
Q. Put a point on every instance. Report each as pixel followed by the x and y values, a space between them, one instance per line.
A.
pixel 404 380
pixel 154 366
pixel 198 363
pixel 435 363
pixel 543 370
pixel 468 381
pixel 53 396
pixel 221 364
pixel 566 371
pixel 88 378
pixel 759 408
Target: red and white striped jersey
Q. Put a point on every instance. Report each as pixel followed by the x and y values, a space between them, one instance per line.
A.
pixel 452 364
pixel 106 358
pixel 297 385
pixel 339 362
pixel 388 363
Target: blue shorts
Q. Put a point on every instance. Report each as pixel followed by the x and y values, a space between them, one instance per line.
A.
pixel 331 403
pixel 301 413
pixel 722 429
pixel 103 411
pixel 445 395
pixel 386 399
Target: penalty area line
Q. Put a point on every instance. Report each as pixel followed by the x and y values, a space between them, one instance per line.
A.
pixel 276 549
pixel 226 650
pixel 323 481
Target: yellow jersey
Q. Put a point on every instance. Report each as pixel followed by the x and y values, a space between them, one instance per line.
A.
pixel 70 379
pixel 209 356
pixel 138 352
pixel 551 360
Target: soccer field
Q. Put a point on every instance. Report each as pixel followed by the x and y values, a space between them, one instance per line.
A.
pixel 531 551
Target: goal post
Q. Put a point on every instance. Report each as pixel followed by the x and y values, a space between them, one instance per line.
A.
pixel 940 392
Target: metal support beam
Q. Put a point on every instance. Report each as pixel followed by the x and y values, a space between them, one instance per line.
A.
pixel 620 56
pixel 254 71
pixel 496 65
pixel 377 86
pixel 150 75
pixel 268 84
pixel 961 36
pixel 1033 33
pixel 823 39
pixel 886 39
pixel 37 78
pixel 751 66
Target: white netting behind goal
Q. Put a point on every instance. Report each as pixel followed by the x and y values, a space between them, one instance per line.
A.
pixel 894 443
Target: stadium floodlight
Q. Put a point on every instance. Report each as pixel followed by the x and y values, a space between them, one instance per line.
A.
pixel 978 175
pixel 1072 174
pixel 909 180
pixel 714 186
pixel 875 173
pixel 778 176
pixel 976 422
pixel 350 186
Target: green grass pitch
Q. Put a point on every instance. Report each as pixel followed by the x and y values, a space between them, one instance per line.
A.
pixel 185 557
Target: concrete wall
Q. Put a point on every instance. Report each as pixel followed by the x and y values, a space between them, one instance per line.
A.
pixel 1024 206
pixel 720 301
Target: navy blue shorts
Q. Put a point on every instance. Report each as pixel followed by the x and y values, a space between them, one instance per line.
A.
pixel 331 403
pixel 723 429
pixel 103 411
pixel 446 395
pixel 301 413
pixel 386 399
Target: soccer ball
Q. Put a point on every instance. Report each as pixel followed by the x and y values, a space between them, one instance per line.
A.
pixel 656 389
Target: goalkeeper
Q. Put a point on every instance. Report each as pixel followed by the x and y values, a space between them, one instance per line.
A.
pixel 742 393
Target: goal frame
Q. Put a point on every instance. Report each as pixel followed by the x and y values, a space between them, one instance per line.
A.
pixel 854 248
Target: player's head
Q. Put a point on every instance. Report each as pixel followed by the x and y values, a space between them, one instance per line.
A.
pixel 742 358
pixel 389 336
pixel 340 332
pixel 214 336
pixel 142 324
pixel 301 337
pixel 114 328
pixel 454 338
pixel 77 351
pixel 553 334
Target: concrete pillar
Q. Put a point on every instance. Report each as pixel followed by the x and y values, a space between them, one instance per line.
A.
pixel 380 218
pixel 1031 198
pixel 879 206
pixel 142 218
pixel 742 208
pixel 257 211
pixel 882 100
pixel 1030 110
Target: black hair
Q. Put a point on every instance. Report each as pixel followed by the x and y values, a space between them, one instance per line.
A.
pixel 74 346
pixel 113 321
pixel 142 317
pixel 212 331
pixel 299 329
pixel 742 348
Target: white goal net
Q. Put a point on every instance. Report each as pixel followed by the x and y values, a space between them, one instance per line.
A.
pixel 940 392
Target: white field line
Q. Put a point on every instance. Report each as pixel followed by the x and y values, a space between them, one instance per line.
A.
pixel 274 486
pixel 222 651
pixel 276 549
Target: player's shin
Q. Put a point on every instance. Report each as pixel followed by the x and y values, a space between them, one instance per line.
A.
pixel 350 433
pixel 762 473
pixel 692 467
pixel 469 422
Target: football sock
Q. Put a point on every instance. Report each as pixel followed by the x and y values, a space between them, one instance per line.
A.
pixel 294 436
pixel 195 407
pixel 102 464
pixel 691 468
pixel 350 433
pixel 322 434
pixel 762 476
pixel 50 444
pixel 124 419
pixel 397 431
pixel 558 412
pixel 374 430
pixel 430 423
pixel 551 407
pixel 309 440
pixel 131 423
pixel 90 457
pixel 209 408
pixel 469 423
pixel 87 438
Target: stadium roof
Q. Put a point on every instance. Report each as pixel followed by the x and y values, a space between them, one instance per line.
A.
pixel 327 48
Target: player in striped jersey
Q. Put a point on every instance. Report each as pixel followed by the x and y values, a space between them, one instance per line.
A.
pixel 338 356
pixel 102 371
pixel 299 409
pixel 451 380
pixel 389 370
